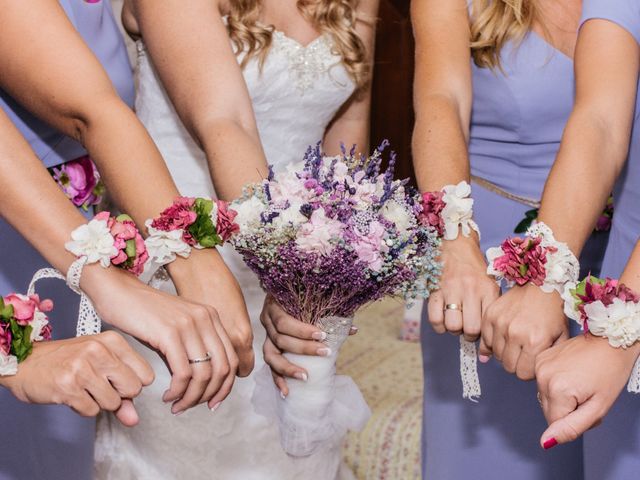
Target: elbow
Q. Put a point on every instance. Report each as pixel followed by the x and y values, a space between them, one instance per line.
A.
pixel 80 120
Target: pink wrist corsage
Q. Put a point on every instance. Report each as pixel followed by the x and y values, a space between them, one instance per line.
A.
pixel 80 181
pixel 449 211
pixel 189 223
pixel 538 258
pixel 22 322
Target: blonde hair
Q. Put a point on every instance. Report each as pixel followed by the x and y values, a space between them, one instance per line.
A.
pixel 496 22
pixel 334 17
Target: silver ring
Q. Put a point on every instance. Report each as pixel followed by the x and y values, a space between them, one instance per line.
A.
pixel 200 360
pixel 539 398
pixel 453 306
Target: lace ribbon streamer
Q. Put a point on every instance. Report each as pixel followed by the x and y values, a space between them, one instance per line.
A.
pixel 634 380
pixel 469 370
pixel 89 322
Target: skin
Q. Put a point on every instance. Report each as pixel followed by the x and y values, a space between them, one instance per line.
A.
pixel 77 98
pixel 443 98
pixel 577 188
pixel 221 119
pixel 580 379
pixel 88 374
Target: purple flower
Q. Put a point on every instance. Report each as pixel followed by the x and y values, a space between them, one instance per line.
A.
pixel 80 181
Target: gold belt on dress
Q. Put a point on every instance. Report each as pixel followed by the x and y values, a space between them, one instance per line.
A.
pixel 503 193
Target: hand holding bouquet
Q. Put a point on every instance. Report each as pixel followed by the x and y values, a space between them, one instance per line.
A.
pixel 325 237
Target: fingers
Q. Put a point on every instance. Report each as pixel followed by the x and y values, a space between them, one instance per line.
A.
pixel 102 392
pixel 472 318
pixel 177 359
pixel 292 335
pixel 526 367
pixel 281 384
pixel 229 380
pixel 280 365
pixel 484 352
pixel 510 356
pixel 127 355
pixel 569 427
pixel 83 404
pixel 453 317
pixel 435 310
pixel 127 414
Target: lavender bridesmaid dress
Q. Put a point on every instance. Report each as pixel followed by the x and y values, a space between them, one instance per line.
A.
pixel 52 442
pixel 516 126
pixel 612 450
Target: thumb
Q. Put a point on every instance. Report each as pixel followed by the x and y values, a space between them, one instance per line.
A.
pixel 569 428
pixel 484 352
pixel 127 414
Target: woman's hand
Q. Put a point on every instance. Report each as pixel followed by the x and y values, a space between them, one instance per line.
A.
pixel 287 334
pixel 579 380
pixel 178 329
pixel 465 283
pixel 88 374
pixel 519 325
pixel 205 278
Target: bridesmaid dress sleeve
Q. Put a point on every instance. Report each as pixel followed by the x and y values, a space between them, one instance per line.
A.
pixel 625 13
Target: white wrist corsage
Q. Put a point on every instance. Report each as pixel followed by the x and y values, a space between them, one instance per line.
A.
pixel 450 211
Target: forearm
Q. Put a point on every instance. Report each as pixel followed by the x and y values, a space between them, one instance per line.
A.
pixel 439 143
pixel 582 178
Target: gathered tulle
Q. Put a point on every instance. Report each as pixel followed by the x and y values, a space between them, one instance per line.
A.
pixel 317 413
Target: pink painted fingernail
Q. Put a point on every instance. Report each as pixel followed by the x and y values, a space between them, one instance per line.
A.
pixel 484 358
pixel 215 407
pixel 301 376
pixel 178 413
pixel 552 442
pixel 354 330
pixel 324 352
pixel 320 336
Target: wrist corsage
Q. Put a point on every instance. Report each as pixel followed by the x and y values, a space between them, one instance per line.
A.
pixel 449 211
pixel 80 181
pixel 189 223
pixel 22 322
pixel 537 258
pixel 105 240
pixel 606 308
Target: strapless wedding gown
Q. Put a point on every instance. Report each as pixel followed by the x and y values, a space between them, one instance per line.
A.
pixel 294 96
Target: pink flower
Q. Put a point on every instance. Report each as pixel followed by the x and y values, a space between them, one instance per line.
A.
pixel 523 260
pixel 319 233
pixel 604 291
pixel 5 338
pixel 46 332
pixel 124 231
pixel 80 181
pixel 432 206
pixel 370 247
pixel 24 307
pixel 179 215
pixel 225 225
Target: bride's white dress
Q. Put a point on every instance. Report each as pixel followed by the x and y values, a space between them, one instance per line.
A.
pixel 295 95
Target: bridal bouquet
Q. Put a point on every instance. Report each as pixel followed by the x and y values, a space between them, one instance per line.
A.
pixel 325 237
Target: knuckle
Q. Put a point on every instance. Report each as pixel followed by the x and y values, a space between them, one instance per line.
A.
pixel 112 337
pixel 557 386
pixel 95 348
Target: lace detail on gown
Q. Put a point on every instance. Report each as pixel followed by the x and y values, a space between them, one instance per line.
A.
pixel 295 95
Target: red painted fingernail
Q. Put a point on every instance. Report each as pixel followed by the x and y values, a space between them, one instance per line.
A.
pixel 552 442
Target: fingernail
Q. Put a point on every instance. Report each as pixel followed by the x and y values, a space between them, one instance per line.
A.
pixel 178 413
pixel 301 376
pixel 324 352
pixel 215 407
pixel 354 330
pixel 282 395
pixel 320 336
pixel 552 442
pixel 484 358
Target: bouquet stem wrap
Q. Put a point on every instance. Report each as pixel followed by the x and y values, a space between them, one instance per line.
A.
pixel 323 408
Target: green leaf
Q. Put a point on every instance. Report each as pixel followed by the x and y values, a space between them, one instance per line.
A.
pixel 130 248
pixel 21 345
pixel 523 269
pixel 525 223
pixel 124 217
pixel 7 312
pixel 203 229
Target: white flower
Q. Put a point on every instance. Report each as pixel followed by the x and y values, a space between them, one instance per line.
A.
pixel 492 254
pixel 317 234
pixel 164 246
pixel 8 365
pixel 40 320
pixel 93 240
pixel 397 213
pixel 458 210
pixel 570 303
pixel 290 216
pixel 619 322
pixel 561 267
pixel 249 211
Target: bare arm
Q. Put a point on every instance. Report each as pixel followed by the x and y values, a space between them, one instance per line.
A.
pixel 192 53
pixel 596 140
pixel 351 125
pixel 442 92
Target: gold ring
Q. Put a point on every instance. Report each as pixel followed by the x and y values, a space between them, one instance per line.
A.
pixel 206 358
pixel 453 306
